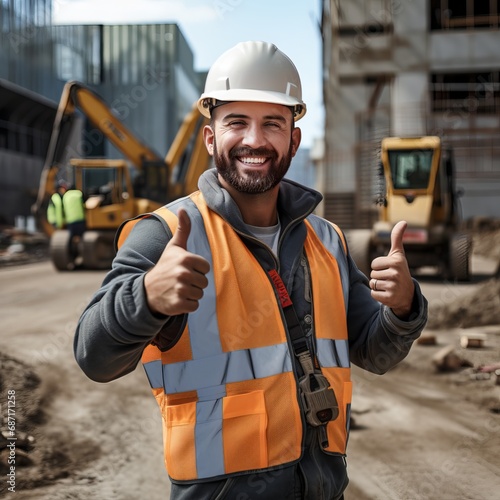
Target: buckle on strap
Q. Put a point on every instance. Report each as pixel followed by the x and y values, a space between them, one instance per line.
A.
pixel 320 403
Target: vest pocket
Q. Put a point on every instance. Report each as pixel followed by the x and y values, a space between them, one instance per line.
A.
pixel 180 452
pixel 215 437
pixel 244 432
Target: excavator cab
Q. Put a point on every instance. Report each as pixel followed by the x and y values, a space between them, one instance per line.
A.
pixel 411 169
pixel 109 192
pixel 109 199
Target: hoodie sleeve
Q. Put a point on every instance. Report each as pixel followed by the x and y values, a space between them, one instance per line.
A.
pixel 378 339
pixel 117 324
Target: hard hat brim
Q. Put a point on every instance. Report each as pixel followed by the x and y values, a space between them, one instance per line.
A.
pixel 250 95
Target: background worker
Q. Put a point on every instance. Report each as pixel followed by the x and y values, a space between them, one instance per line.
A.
pixel 246 308
pixel 74 212
pixel 55 210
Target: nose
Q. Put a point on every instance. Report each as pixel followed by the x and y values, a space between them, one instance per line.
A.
pixel 254 137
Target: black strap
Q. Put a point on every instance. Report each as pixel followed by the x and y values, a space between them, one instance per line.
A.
pixel 320 403
pixel 297 336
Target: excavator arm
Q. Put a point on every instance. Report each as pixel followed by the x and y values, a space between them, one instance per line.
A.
pixel 189 137
pixel 101 117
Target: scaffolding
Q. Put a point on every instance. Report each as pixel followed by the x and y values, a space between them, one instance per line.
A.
pixel 387 72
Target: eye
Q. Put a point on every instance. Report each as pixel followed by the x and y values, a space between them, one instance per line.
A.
pixel 236 123
pixel 275 125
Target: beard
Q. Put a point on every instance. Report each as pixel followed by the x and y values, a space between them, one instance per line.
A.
pixel 254 182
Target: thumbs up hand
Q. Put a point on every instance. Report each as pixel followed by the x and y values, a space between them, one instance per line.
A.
pixel 175 284
pixel 391 282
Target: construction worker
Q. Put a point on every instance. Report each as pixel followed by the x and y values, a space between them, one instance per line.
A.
pixel 74 212
pixel 246 309
pixel 55 211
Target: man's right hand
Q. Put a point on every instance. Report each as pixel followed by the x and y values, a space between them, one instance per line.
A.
pixel 175 285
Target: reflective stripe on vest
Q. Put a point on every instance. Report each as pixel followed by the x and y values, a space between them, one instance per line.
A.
pixel 227 391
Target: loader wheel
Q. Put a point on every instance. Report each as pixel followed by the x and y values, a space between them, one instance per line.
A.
pixel 359 243
pixel 460 250
pixel 59 251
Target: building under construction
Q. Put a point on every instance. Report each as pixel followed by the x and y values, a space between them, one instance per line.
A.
pixel 409 68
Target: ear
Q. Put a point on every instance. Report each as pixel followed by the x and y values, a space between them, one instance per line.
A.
pixel 296 138
pixel 208 138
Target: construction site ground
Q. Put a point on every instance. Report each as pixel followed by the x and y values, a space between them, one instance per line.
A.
pixel 418 433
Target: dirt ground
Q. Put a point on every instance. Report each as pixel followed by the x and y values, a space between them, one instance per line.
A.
pixel 418 433
pixel 422 433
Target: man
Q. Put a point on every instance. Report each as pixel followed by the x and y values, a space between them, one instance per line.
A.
pixel 74 211
pixel 55 210
pixel 246 308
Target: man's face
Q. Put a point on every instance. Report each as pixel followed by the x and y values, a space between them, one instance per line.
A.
pixel 252 144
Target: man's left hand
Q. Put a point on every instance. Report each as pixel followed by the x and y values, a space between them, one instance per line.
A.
pixel 391 281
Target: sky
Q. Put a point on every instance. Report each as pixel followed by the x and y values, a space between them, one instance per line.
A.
pixel 214 26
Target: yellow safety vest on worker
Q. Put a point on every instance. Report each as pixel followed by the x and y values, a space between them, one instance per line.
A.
pixel 74 210
pixel 227 391
pixel 55 211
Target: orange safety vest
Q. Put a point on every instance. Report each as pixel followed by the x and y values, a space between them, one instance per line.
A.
pixel 227 391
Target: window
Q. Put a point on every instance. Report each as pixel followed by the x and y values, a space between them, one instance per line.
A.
pixel 77 51
pixel 69 64
pixel 464 14
pixel 470 92
pixel 410 169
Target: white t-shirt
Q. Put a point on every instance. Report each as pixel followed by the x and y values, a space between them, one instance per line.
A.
pixel 268 235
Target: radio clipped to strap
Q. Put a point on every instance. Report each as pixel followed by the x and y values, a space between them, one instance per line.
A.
pixel 319 399
pixel 320 403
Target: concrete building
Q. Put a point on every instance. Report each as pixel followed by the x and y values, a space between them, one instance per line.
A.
pixel 302 168
pixel 26 109
pixel 409 68
pixel 144 72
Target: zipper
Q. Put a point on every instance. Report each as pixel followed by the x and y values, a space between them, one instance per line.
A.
pixel 307 279
pixel 308 296
pixel 261 244
pixel 292 223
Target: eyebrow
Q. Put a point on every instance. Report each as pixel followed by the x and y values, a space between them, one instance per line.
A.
pixel 232 116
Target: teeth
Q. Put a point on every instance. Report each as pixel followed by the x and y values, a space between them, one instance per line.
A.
pixel 253 159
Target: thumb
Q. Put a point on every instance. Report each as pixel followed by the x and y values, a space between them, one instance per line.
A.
pixel 183 229
pixel 397 238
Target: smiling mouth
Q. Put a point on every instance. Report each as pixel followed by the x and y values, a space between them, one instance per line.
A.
pixel 252 160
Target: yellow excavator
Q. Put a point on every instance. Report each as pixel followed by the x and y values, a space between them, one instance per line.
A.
pixel 113 190
pixel 419 178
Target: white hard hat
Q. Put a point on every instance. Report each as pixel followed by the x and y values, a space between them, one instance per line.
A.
pixel 256 72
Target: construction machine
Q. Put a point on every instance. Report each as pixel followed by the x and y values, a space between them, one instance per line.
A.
pixel 113 190
pixel 419 179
